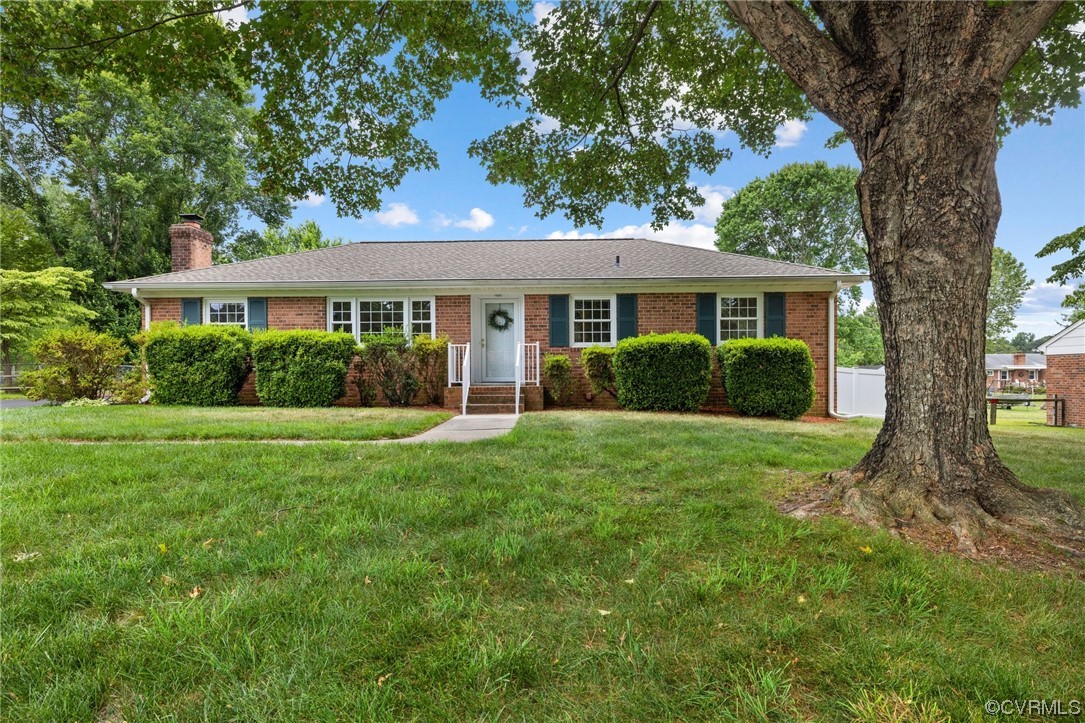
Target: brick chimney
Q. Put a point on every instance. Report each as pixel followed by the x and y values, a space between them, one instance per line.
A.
pixel 1018 359
pixel 190 245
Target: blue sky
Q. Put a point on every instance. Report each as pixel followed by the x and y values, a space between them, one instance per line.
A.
pixel 1041 171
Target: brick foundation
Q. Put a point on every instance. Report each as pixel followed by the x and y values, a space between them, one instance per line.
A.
pixel 1066 378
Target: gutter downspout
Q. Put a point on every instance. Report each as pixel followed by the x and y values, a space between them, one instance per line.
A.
pixel 832 357
pixel 146 308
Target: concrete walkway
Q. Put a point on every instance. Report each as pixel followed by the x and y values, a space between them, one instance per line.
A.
pixel 20 403
pixel 466 429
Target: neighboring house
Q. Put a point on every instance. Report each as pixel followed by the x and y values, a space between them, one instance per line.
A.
pixel 1066 372
pixel 1021 370
pixel 502 300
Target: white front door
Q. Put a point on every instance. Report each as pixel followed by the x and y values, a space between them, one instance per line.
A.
pixel 500 330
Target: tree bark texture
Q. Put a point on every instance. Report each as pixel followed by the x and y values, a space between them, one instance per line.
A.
pixel 916 88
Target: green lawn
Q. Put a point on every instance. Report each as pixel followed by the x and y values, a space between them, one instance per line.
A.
pixel 132 422
pixel 588 566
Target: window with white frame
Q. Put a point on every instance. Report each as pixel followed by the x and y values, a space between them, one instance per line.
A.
pixel 738 317
pixel 372 316
pixel 421 317
pixel 376 316
pixel 342 315
pixel 1032 375
pixel 593 321
pixel 990 372
pixel 226 312
pixel 1004 375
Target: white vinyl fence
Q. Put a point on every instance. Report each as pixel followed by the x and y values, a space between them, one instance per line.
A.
pixel 860 391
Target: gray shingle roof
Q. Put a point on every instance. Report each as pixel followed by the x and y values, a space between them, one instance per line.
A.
pixel 997 361
pixel 448 261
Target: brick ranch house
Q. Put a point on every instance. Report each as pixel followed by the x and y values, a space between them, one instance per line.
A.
pixel 1017 369
pixel 555 296
pixel 1066 373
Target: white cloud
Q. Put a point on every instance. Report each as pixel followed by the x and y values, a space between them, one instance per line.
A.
pixel 477 220
pixel 235 17
pixel 312 199
pixel 698 235
pixel 398 214
pixel 541 10
pixel 714 197
pixel 789 133
pixel 1041 310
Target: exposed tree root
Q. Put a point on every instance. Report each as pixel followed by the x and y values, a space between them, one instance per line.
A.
pixel 1008 522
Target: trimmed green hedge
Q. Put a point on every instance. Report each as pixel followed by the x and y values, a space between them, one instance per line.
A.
pixel 598 364
pixel 667 372
pixel 301 368
pixel 773 377
pixel 202 365
pixel 558 371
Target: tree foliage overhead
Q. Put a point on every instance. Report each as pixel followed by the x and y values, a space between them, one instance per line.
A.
pixel 805 213
pixel 1009 282
pixel 101 155
pixel 274 241
pixel 1066 272
pixel 623 102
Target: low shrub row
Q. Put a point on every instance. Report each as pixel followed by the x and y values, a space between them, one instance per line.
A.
pixel 672 372
pixel 207 366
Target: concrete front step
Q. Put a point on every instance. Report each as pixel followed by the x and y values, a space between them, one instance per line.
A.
pixel 507 408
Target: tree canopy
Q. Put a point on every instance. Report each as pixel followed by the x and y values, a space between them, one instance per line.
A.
pixel 33 302
pixel 1073 269
pixel 805 213
pixel 1009 282
pixel 273 241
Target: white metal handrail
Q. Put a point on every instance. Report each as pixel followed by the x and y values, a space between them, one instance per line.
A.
pixel 465 376
pixel 519 377
pixel 531 363
pixel 455 362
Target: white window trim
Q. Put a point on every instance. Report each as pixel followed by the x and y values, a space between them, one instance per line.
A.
pixel 406 300
pixel 613 299
pixel 1004 375
pixel 353 313
pixel 1032 375
pixel 759 295
pixel 228 300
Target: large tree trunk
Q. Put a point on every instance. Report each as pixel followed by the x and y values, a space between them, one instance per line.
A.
pixel 930 206
pixel 916 88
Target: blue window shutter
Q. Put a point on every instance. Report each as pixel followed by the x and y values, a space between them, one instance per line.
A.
pixel 627 316
pixel 775 314
pixel 559 320
pixel 706 317
pixel 257 313
pixel 190 311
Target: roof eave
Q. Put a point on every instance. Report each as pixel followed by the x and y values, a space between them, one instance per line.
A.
pixel 846 281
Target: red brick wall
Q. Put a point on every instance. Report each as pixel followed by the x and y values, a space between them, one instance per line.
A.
pixel 190 247
pixel 165 310
pixel 297 312
pixel 1066 377
pixel 808 319
pixel 454 318
pixel 664 313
